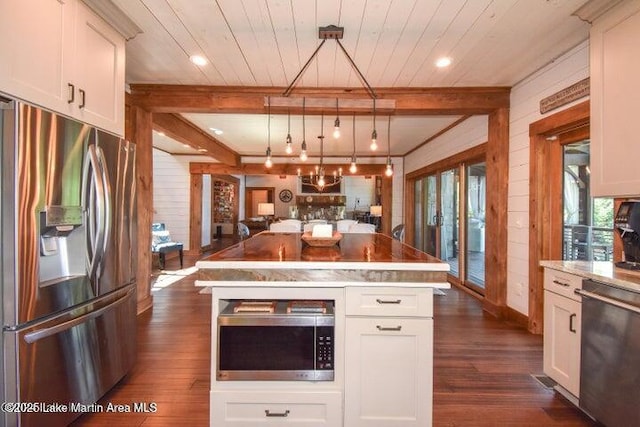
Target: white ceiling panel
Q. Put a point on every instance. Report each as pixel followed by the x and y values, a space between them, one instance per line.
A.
pixel 394 43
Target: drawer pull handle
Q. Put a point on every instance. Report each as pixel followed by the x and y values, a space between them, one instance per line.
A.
pixel 83 95
pixel 557 282
pixel 383 328
pixel 382 301
pixel 268 413
pixel 72 93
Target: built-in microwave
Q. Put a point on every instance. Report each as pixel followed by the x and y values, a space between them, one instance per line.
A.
pixel 276 340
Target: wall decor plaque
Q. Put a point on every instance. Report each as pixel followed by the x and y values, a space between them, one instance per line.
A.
pixel 565 96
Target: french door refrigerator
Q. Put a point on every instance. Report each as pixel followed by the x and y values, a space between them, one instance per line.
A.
pixel 68 233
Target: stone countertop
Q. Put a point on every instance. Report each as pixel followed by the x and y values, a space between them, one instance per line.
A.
pixel 283 259
pixel 601 271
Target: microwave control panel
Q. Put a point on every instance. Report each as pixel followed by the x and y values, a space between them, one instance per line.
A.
pixel 324 348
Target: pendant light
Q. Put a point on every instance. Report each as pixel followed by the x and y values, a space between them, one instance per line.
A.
pixel 336 124
pixel 268 163
pixel 374 134
pixel 303 152
pixel 353 168
pixel 320 170
pixel 389 169
pixel 289 148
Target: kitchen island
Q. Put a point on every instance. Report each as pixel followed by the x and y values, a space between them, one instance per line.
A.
pixel 378 295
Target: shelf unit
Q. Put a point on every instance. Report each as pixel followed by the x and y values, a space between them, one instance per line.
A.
pixel 224 204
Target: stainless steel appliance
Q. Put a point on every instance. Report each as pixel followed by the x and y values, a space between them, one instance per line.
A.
pixel 610 354
pixel 277 344
pixel 627 222
pixel 68 233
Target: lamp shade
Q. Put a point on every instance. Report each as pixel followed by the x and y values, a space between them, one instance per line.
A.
pixel 266 209
pixel 375 210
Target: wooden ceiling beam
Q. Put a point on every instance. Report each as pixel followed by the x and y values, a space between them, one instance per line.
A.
pixel 280 169
pixel 185 132
pixel 250 100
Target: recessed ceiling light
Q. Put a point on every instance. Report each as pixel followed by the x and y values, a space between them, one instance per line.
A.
pixel 216 131
pixel 202 150
pixel 443 62
pixel 198 60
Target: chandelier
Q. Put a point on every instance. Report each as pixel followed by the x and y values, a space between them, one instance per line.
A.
pixel 318 177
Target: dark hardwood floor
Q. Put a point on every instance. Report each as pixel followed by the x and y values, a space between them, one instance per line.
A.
pixel 482 369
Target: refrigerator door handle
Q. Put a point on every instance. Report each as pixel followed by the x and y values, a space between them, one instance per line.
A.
pixel 106 204
pixel 92 189
pixel 34 336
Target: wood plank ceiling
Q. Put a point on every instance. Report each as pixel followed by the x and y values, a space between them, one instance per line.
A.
pixel 394 43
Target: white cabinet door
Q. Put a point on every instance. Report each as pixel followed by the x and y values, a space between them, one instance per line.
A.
pixel 615 96
pixel 562 317
pixel 388 372
pixel 59 55
pixel 36 44
pixel 99 68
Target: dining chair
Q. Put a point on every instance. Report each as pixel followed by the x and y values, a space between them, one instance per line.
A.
pixel 398 232
pixel 362 228
pixel 284 227
pixel 297 222
pixel 342 225
pixel 243 231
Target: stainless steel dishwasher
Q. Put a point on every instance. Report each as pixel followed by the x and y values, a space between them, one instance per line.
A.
pixel 610 354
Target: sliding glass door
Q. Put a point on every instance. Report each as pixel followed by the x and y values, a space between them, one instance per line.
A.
pixel 476 178
pixel 427 215
pixel 442 199
pixel 587 221
pixel 449 219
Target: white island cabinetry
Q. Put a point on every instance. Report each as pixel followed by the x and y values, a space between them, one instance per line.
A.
pixel 381 293
pixel 276 403
pixel 388 357
pixel 61 56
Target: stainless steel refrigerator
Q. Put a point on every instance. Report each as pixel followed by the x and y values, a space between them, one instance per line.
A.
pixel 68 233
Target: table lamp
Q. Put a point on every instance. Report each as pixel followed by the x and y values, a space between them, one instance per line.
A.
pixel 375 211
pixel 266 210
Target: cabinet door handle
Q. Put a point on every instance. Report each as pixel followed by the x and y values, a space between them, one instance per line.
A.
pixel 557 282
pixel 383 328
pixel 571 327
pixel 72 93
pixel 82 94
pixel 394 301
pixel 268 413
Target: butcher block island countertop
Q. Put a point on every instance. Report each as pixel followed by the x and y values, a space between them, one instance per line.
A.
pixel 380 295
pixel 365 259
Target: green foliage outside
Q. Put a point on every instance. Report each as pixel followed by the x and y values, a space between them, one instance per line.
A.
pixel 603 212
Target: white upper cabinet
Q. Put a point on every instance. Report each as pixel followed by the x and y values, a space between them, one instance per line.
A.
pixel 615 100
pixel 35 42
pixel 100 54
pixel 61 56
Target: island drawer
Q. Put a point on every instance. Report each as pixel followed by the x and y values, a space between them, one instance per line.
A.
pixel 389 301
pixel 276 408
pixel 562 283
